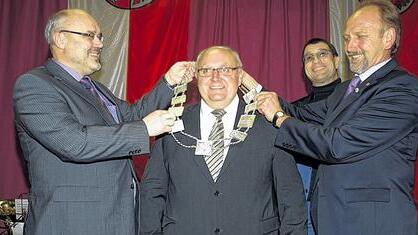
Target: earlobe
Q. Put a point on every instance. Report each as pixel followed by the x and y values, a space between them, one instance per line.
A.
pixel 389 37
pixel 337 61
pixel 59 40
pixel 240 77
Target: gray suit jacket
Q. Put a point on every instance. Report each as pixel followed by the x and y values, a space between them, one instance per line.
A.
pixel 367 142
pixel 258 191
pixel 78 157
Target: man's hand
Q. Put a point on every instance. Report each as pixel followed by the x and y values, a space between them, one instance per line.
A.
pixel 158 122
pixel 248 81
pixel 268 104
pixel 183 70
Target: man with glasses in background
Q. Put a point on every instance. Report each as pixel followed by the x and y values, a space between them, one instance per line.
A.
pixel 202 181
pixel 320 62
pixel 77 138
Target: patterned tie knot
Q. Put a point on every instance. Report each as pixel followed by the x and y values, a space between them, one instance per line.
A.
pixel 353 84
pixel 218 113
pixel 85 81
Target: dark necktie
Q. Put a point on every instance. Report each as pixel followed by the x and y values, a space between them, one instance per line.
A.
pixel 86 82
pixel 215 160
pixel 353 84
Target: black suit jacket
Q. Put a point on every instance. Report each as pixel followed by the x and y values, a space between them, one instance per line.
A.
pixel 316 94
pixel 258 190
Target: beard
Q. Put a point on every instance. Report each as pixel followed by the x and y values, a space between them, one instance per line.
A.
pixel 358 65
pixel 94 63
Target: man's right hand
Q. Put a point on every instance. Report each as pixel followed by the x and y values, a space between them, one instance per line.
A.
pixel 158 122
pixel 248 81
pixel 183 70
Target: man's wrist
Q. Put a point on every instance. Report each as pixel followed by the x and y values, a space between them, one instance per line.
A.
pixel 167 83
pixel 278 118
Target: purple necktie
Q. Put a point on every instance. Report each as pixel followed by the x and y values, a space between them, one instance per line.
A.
pixel 86 82
pixel 353 84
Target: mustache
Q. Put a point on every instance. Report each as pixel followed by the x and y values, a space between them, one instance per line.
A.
pixel 95 50
pixel 354 53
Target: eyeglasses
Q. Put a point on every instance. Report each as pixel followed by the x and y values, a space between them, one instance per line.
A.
pixel 321 55
pixel 91 36
pixel 207 72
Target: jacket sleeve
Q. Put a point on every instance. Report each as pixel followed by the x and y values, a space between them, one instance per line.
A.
pixel 290 195
pixel 158 98
pixel 154 186
pixel 385 118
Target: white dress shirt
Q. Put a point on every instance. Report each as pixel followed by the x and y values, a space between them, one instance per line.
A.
pixel 207 119
pixel 372 69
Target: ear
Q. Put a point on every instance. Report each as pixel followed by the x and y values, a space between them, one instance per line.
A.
pixel 389 37
pixel 337 61
pixel 59 40
pixel 240 76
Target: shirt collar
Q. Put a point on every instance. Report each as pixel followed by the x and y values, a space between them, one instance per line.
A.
pixel 230 109
pixel 69 70
pixel 372 69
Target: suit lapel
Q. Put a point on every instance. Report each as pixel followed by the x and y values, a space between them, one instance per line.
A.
pixel 372 80
pixel 191 120
pixel 66 79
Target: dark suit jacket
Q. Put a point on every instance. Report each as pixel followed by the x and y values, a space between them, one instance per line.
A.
pixel 79 168
pixel 258 190
pixel 316 94
pixel 368 141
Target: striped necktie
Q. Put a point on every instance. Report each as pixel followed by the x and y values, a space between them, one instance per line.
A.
pixel 215 160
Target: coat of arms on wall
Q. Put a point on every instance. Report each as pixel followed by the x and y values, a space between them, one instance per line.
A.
pixel 128 4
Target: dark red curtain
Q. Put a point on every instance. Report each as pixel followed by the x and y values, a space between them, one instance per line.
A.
pixel 22 46
pixel 268 34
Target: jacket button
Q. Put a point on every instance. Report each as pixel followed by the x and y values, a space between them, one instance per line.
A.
pixel 216 193
pixel 132 186
pixel 217 230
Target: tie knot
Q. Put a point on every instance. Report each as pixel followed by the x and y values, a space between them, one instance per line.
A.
pixel 355 81
pixel 218 113
pixel 85 81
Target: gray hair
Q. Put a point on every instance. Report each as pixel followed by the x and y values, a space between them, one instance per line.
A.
pixel 223 48
pixel 57 20
pixel 54 22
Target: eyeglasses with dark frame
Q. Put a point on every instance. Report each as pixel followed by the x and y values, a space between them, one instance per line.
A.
pixel 207 72
pixel 89 35
pixel 321 55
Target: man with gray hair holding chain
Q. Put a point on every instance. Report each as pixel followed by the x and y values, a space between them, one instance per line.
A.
pixel 365 133
pixel 77 138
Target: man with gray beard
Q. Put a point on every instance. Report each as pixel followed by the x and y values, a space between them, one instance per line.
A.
pixel 365 133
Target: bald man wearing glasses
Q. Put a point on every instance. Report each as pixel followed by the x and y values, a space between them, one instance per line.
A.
pixel 77 138
pixel 204 181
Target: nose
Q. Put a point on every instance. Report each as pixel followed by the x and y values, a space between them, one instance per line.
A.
pixel 316 58
pixel 215 74
pixel 350 44
pixel 97 42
